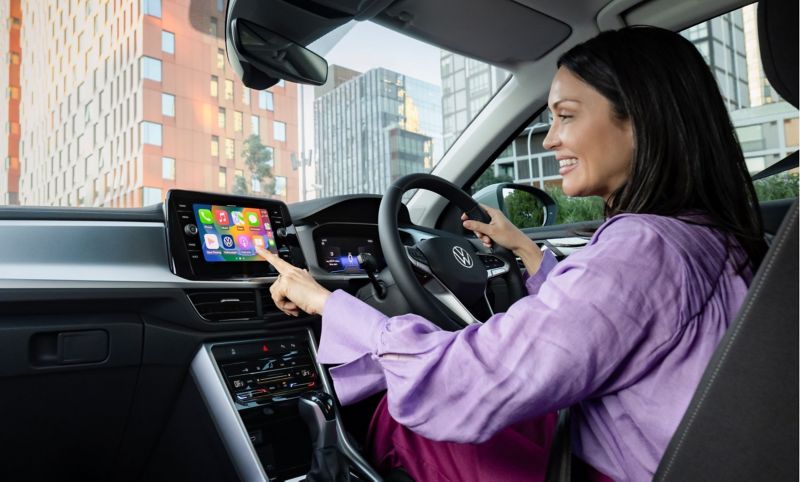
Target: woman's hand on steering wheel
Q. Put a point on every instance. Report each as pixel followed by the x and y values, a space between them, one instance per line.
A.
pixel 503 232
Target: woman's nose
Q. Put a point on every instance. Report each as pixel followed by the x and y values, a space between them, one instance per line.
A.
pixel 551 141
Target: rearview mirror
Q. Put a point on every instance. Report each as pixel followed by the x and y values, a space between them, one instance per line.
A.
pixel 525 206
pixel 274 55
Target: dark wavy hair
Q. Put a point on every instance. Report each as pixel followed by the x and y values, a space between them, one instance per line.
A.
pixel 686 157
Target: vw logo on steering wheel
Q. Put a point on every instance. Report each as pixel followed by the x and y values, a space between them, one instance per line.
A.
pixel 462 257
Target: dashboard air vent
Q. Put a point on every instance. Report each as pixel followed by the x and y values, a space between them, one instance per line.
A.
pixel 225 305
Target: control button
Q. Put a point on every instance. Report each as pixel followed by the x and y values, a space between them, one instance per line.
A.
pixel 416 254
pixel 256 437
pixel 281 232
pixel 185 217
pixel 277 223
pixel 298 361
pixel 275 212
pixel 193 244
pixel 195 256
pixel 183 206
pixel 190 230
pixel 284 250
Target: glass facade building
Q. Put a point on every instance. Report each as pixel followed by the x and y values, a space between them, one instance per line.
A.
pixel 467 85
pixel 374 128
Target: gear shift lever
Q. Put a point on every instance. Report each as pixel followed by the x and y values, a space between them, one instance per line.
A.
pixel 327 463
pixel 316 410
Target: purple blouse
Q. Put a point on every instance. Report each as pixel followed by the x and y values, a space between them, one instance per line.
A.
pixel 624 328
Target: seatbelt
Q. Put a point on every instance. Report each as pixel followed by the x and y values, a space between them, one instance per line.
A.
pixel 559 462
pixel 788 162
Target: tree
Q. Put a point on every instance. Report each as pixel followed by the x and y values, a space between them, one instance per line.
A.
pixel 524 209
pixel 575 209
pixel 258 159
pixel 487 179
pixel 779 186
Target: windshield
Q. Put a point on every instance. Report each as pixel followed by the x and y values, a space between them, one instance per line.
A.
pixel 111 103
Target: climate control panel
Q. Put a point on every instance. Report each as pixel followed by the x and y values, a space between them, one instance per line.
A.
pixel 258 373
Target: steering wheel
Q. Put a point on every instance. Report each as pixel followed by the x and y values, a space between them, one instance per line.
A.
pixel 453 272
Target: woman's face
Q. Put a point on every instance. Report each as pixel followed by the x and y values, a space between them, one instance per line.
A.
pixel 585 130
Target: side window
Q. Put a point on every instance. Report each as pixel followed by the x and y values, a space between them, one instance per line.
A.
pixel 767 126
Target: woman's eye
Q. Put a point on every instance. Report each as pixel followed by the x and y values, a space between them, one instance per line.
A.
pixel 563 117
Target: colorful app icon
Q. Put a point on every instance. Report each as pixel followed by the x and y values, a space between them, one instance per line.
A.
pixel 205 216
pixel 252 218
pixel 227 242
pixel 271 242
pixel 258 242
pixel 211 241
pixel 266 225
pixel 222 217
pixel 270 235
pixel 237 218
pixel 243 241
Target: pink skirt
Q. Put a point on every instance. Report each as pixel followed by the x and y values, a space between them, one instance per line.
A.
pixel 516 453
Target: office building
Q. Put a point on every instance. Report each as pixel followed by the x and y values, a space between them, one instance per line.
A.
pixel 467 85
pixel 374 128
pixel 11 14
pixel 124 99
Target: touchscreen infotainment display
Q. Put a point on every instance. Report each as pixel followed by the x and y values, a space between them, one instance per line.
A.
pixel 232 233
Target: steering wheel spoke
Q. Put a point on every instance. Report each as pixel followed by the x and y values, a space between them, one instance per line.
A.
pixel 495 265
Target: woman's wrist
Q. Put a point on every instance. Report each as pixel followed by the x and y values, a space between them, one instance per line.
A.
pixel 531 256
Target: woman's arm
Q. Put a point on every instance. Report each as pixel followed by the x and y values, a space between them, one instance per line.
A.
pixel 597 323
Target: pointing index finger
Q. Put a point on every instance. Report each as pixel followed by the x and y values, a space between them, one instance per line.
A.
pixel 279 264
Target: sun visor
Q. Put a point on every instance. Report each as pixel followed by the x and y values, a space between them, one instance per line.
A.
pixel 517 33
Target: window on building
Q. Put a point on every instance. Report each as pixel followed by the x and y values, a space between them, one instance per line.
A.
pixel 229 148
pixel 280 185
pixel 222 179
pixel 152 8
pixel 214 86
pixel 168 168
pixel 281 83
pixel 220 59
pixel 212 27
pixel 237 121
pixel 167 42
pixel 228 89
pixel 255 125
pixel 245 95
pixel 271 152
pixel 151 133
pixel 214 146
pixel 150 68
pixel 751 138
pixel 279 131
pixel 265 100
pixel 168 105
pixel 221 118
pixel 256 184
pixel 151 195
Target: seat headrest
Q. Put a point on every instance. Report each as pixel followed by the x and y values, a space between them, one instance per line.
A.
pixel 778 41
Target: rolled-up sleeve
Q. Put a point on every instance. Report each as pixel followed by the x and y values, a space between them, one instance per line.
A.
pixel 594 312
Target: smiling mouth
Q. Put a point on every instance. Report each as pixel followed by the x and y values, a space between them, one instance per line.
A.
pixel 566 165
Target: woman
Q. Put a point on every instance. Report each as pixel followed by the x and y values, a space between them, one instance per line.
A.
pixel 622 329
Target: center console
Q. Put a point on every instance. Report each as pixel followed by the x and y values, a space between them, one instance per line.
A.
pixel 251 389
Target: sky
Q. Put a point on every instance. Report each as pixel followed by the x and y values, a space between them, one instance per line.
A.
pixel 368 45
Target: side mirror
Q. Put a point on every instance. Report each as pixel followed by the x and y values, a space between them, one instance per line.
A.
pixel 261 56
pixel 525 206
